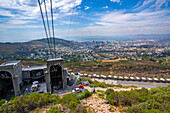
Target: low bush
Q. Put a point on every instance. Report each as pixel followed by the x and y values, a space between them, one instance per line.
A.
pixel 141 100
pixel 72 104
pixel 84 94
pixel 101 96
pixel 2 101
pixel 69 98
pixel 71 101
pixel 26 103
pixel 54 110
pixel 85 79
pixel 102 85
pixel 149 106
pixel 12 98
pixel 103 92
pixel 108 91
pixel 79 109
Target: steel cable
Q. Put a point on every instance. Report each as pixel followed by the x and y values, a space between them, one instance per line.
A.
pixel 71 19
pixel 53 27
pixel 44 25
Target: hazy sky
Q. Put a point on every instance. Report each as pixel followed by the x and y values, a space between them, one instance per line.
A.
pixel 20 20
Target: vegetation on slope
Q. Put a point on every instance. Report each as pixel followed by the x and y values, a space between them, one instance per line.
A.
pixel 23 47
pixel 142 100
pixel 103 84
pixel 27 103
pixel 123 68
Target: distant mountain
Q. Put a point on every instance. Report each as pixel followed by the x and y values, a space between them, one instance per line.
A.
pixel 20 47
pixel 123 37
pixel 58 41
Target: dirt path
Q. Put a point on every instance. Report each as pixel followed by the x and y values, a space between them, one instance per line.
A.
pixel 95 104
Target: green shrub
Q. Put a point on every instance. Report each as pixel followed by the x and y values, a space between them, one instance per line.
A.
pixel 84 94
pixel 85 79
pixel 72 104
pixel 108 91
pixel 12 98
pixel 149 106
pixel 103 92
pixel 2 101
pixel 26 103
pixel 142 100
pixel 68 98
pixel 54 110
pixel 101 96
pixel 79 109
pixel 92 85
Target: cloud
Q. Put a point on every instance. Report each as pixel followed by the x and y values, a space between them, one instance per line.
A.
pixel 155 4
pixel 6 27
pixel 143 18
pixel 146 17
pixel 106 7
pixel 29 9
pixel 19 22
pixel 6 13
pixel 118 1
pixel 86 7
pixel 66 22
pixel 159 3
pixel 149 20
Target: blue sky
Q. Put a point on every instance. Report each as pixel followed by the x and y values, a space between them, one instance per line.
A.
pixel 20 20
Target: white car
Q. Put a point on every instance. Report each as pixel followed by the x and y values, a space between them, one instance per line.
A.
pixel 35 82
pixel 73 91
pixel 34 87
pixel 109 76
pixel 89 75
pixel 114 82
pixel 97 76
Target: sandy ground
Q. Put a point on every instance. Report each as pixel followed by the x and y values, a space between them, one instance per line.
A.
pixel 95 104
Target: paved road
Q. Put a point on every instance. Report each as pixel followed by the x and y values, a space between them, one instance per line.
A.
pixel 42 88
pixel 136 83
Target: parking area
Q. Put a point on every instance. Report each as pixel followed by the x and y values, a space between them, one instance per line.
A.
pixel 140 84
pixel 30 87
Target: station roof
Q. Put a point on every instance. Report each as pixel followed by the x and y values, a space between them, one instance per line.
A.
pixel 34 68
pixel 10 63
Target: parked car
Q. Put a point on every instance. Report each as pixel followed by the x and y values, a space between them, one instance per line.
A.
pixel 34 87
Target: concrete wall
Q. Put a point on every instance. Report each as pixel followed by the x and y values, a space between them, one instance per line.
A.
pixel 16 72
pixel 65 78
pixel 55 62
pixel 26 75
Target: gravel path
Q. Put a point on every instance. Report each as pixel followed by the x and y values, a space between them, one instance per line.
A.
pixel 98 105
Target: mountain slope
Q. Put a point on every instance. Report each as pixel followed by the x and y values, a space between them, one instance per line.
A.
pixel 13 48
pixel 58 41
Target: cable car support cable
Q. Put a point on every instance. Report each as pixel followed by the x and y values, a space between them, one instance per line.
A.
pixel 48 24
pixel 44 25
pixel 53 27
pixel 68 34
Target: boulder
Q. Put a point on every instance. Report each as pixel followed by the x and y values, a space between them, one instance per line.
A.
pixel 109 108
pixel 106 102
pixel 84 102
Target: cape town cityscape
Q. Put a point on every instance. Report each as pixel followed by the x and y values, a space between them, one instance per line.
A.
pixel 84 56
